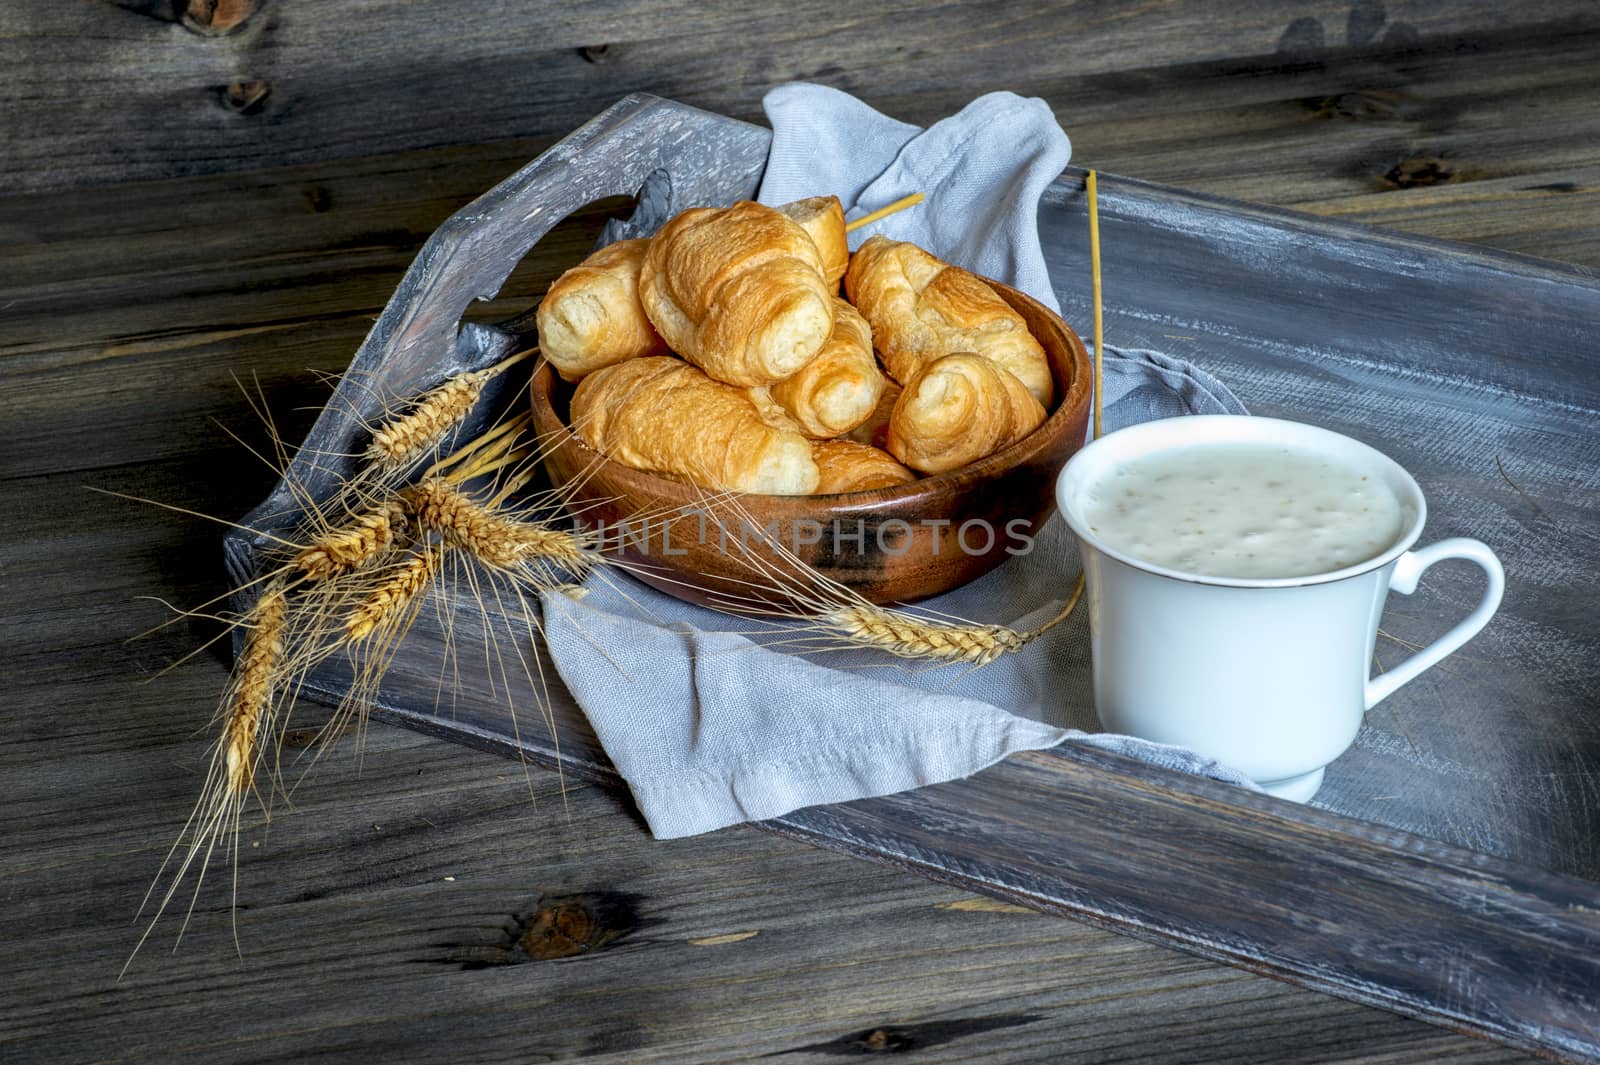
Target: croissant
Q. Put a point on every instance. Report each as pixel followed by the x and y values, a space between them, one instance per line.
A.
pixel 591 317
pixel 837 390
pixel 738 291
pixel 875 430
pixel 822 217
pixel 920 308
pixel 660 414
pixel 846 466
pixel 956 410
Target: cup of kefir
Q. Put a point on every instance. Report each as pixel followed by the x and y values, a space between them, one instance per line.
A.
pixel 1237 569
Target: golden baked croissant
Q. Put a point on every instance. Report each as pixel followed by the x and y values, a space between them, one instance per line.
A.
pixel 956 410
pixel 591 317
pixel 846 466
pixel 875 430
pixel 660 414
pixel 921 308
pixel 822 217
pixel 738 291
pixel 837 390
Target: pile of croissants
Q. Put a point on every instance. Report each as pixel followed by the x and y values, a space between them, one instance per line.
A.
pixel 719 352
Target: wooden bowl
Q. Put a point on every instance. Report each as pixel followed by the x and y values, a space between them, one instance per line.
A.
pixel 895 544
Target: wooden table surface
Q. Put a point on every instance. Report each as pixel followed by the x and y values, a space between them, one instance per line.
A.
pixel 191 214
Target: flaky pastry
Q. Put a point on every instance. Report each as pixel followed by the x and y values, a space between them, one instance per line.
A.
pixel 839 389
pixel 921 308
pixel 957 409
pixel 822 217
pixel 658 413
pixel 738 291
pixel 591 316
pixel 846 466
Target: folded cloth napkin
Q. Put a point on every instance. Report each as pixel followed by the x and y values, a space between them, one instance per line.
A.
pixel 982 171
pixel 713 720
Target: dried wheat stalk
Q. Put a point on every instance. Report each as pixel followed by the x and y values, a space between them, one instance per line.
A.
pixel 489 536
pixel 402 440
pixel 907 636
pixel 252 695
pixel 390 598
pixel 355 545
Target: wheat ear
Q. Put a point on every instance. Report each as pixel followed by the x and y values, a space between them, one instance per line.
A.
pixel 246 714
pixel 397 591
pixel 355 545
pixel 252 695
pixel 402 440
pixel 785 584
pixel 489 536
pixel 911 637
pixel 908 636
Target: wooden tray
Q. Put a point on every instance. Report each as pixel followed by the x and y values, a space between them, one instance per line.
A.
pixel 1448 869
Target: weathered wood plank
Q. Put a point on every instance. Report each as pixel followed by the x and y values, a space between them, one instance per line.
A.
pixel 312 250
pixel 1446 115
pixel 291 309
pixel 1294 902
pixel 106 93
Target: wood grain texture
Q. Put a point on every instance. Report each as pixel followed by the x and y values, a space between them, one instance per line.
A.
pixel 124 311
pixel 1280 912
pixel 1441 105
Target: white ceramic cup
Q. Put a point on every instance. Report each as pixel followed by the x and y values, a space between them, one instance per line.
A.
pixel 1269 676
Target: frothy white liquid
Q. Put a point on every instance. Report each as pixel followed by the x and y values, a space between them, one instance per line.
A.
pixel 1243 510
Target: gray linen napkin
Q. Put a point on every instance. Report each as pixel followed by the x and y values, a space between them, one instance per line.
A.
pixel 982 169
pixel 713 720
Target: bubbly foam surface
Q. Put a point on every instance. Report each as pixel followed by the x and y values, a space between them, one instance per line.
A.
pixel 1244 511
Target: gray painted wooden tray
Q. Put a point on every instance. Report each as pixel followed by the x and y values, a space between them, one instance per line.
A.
pixel 1449 868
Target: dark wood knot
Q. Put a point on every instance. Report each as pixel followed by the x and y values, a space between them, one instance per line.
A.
pixel 903 1039
pixel 886 1041
pixel 318 198
pixel 217 18
pixel 1359 105
pixel 572 925
pixel 300 738
pixel 246 97
pixel 1419 172
pixel 595 53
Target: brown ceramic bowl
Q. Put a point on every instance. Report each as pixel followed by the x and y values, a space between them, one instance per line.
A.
pixel 889 545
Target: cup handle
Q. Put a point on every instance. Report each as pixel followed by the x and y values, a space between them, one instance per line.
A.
pixel 1408 571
